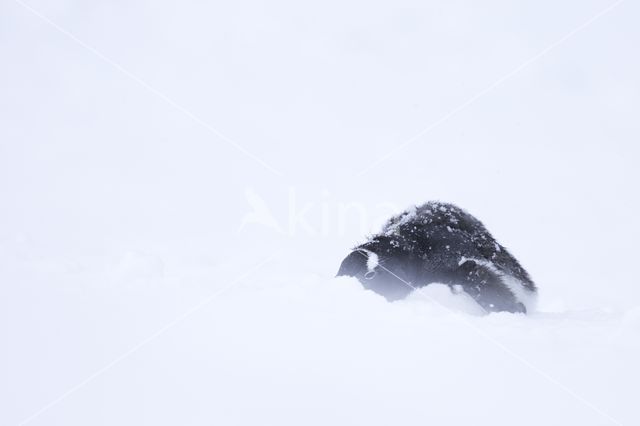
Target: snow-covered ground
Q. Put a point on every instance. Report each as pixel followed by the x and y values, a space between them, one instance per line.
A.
pixel 180 181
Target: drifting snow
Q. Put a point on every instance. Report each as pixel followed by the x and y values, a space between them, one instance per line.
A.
pixel 288 347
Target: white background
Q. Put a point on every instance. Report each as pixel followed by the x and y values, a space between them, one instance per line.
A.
pixel 122 208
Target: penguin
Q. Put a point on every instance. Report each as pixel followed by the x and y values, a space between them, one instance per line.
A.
pixel 439 242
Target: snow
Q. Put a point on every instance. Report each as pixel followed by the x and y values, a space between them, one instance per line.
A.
pixel 179 184
pixel 281 344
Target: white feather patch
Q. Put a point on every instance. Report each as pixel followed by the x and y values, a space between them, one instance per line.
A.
pixel 372 260
pixel 526 297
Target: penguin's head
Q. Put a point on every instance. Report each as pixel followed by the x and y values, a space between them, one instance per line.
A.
pixel 375 273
